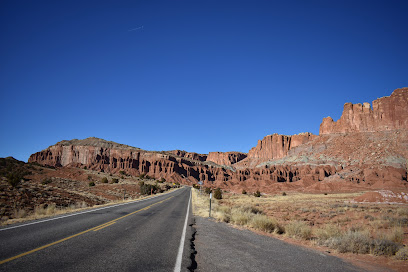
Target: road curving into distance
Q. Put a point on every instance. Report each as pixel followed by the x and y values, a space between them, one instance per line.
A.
pixel 145 235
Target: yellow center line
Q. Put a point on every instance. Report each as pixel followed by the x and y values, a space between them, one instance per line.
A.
pixel 80 233
pixel 104 226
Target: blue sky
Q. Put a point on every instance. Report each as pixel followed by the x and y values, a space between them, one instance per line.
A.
pixel 194 75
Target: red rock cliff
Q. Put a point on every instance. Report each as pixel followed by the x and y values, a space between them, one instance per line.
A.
pixel 277 146
pixel 388 113
pixel 226 158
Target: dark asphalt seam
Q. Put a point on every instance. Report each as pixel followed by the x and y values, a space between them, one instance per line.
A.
pixel 193 252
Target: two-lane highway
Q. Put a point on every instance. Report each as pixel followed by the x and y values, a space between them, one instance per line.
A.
pixel 138 236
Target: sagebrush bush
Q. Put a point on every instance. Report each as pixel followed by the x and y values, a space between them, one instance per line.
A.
pixel 115 180
pixel 91 184
pixel 326 232
pixel 299 229
pixel 351 241
pixel 240 217
pixel 104 180
pixel 264 223
pixel 384 247
pixel 402 254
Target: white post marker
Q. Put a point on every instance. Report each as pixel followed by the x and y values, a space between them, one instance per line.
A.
pixel 210 205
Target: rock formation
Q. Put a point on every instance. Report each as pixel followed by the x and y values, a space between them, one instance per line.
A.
pixel 226 158
pixel 377 157
pixel 189 155
pixel 277 146
pixel 388 113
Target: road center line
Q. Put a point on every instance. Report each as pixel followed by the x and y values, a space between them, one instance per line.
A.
pixel 177 267
pixel 80 233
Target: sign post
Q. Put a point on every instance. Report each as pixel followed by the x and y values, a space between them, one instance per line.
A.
pixel 210 204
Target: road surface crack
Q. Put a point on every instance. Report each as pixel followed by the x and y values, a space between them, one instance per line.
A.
pixel 193 252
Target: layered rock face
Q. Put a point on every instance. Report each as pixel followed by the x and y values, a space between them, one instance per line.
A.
pixel 226 158
pixel 277 146
pixel 388 113
pixel 189 155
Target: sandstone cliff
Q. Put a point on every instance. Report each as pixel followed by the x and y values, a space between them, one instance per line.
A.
pixel 388 113
pixel 189 155
pixel 277 146
pixel 226 158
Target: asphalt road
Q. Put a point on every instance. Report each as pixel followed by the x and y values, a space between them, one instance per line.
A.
pixel 221 247
pixel 140 236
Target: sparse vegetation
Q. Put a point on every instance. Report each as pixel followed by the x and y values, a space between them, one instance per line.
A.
pixel 244 192
pixel 115 180
pixel 299 229
pixel 257 193
pixel 104 180
pixel 218 193
pixel 91 183
pixel 46 181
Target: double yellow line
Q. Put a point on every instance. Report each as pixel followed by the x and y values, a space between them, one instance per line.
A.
pixel 107 224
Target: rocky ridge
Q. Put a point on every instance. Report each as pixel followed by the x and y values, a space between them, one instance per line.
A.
pixel 364 148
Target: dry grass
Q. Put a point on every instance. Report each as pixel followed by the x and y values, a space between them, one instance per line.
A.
pixel 299 229
pixel 43 211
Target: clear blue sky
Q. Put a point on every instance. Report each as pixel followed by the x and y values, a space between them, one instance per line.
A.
pixel 195 75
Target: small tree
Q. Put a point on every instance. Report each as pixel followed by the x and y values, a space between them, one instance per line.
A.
pixel 218 193
pixel 284 194
pixel 257 193
pixel 104 180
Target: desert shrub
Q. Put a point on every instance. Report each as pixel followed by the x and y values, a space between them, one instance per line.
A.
pixel 207 190
pixel 104 180
pixel 14 178
pixel 257 193
pixel 355 242
pixel 91 183
pixel 326 232
pixel 141 183
pixel 250 209
pixel 244 192
pixel 217 193
pixel 402 211
pixel 384 247
pixel 122 172
pixel 89 177
pixel 46 181
pixel 142 176
pixel 115 180
pixel 240 217
pixel 147 189
pixel 402 254
pixel 264 223
pixel 396 235
pixel 21 213
pixel 284 194
pixel 299 229
pixel 85 167
pixel 223 213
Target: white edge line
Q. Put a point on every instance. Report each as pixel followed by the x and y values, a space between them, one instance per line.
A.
pixel 78 213
pixel 177 267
